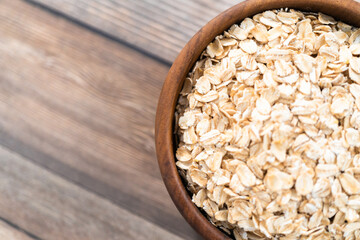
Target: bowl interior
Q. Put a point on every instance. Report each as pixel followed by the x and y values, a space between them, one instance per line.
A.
pixel 347 11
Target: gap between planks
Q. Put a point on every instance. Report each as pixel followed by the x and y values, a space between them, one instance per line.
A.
pixel 10 231
pixel 101 32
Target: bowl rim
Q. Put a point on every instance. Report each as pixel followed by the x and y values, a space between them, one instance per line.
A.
pixel 344 10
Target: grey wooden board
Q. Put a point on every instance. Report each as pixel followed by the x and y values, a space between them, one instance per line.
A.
pixel 52 208
pixel 159 27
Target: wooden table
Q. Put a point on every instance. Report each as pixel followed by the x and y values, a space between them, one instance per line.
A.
pixel 79 83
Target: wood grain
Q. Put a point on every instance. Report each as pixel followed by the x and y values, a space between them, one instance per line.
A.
pixel 53 208
pixel 83 107
pixel 159 27
pixel 9 232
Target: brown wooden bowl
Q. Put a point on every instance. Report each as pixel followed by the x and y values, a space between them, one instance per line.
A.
pixel 347 11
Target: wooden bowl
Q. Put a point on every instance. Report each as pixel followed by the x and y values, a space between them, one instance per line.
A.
pixel 347 11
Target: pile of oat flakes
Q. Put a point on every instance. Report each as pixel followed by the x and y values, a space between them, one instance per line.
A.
pixel 268 124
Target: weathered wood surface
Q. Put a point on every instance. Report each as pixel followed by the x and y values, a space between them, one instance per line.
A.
pixel 11 232
pixel 82 107
pixel 51 207
pixel 158 27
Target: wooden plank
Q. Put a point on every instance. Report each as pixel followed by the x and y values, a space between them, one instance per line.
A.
pixel 11 233
pixel 53 208
pixel 159 27
pixel 84 107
